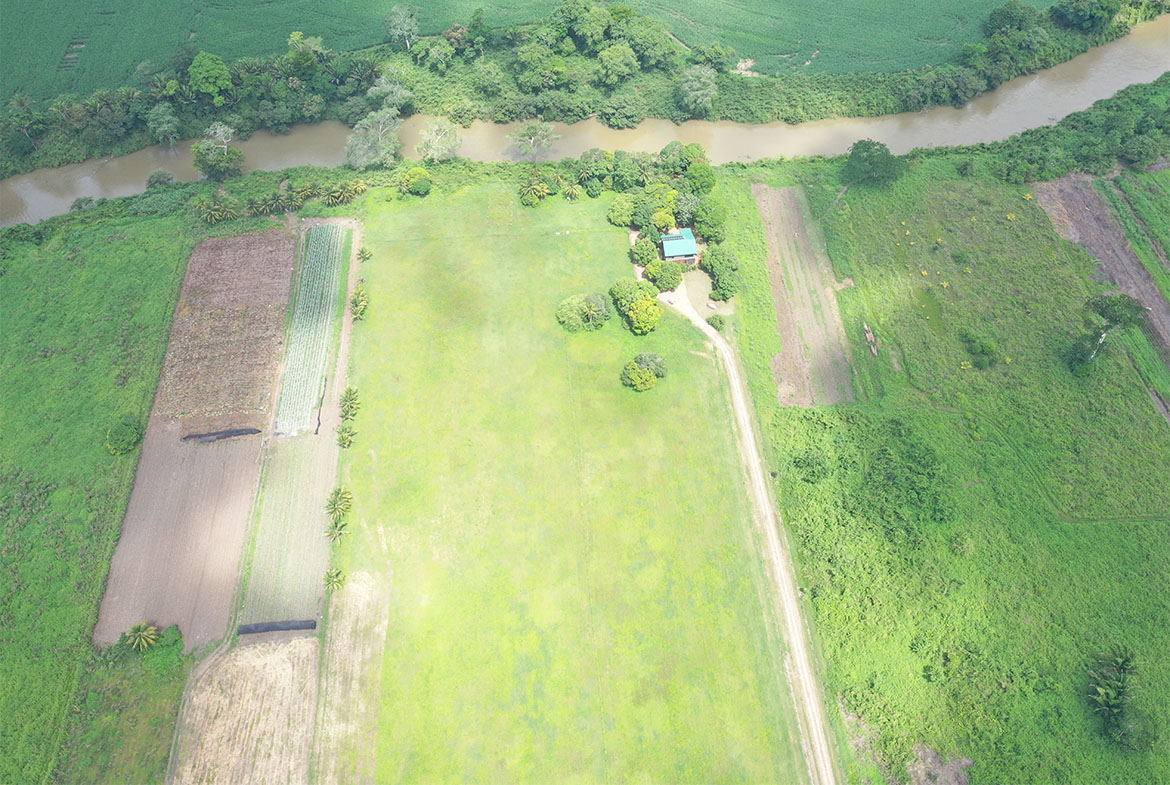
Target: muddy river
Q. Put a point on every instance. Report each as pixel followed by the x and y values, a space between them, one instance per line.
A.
pixel 1023 103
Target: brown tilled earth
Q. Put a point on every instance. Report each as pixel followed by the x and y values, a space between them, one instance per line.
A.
pixel 811 368
pixel 1081 216
pixel 220 368
pixel 177 560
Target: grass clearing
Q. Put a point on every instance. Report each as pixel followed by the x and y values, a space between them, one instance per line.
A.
pixel 968 538
pixel 1135 231
pixel 576 589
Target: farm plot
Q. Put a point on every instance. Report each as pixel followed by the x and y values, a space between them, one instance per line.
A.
pixel 310 334
pixel 177 560
pixel 249 718
pixel 811 367
pixel 221 362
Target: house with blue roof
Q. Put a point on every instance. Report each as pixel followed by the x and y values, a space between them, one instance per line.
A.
pixel 680 247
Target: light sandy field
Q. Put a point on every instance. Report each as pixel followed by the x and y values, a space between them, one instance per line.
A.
pixel 249 719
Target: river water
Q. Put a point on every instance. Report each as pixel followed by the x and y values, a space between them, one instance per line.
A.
pixel 1027 102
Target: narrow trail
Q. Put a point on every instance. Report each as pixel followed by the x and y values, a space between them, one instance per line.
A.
pixel 802 679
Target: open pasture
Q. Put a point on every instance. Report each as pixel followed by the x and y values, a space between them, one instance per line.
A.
pixel 100 45
pixel 576 588
pixel 969 538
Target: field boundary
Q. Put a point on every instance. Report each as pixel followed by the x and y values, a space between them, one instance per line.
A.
pixel 803 682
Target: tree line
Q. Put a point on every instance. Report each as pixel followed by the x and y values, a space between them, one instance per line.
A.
pixel 583 60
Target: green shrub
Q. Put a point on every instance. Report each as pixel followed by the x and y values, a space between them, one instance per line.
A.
pixel 637 377
pixel 723 267
pixel 583 312
pixel 124 436
pixel 621 212
pixel 665 275
pixel 421 186
pixel 653 363
pixel 645 251
pixel 718 322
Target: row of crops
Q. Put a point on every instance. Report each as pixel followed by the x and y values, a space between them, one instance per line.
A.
pixel 309 338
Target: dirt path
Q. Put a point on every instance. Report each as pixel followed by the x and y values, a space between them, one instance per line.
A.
pixel 805 689
pixel 1081 216
pixel 811 368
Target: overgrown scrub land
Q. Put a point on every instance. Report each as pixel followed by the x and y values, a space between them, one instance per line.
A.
pixel 87 306
pixel 576 590
pixel 1141 204
pixel 573 60
pixel 122 725
pixel 985 524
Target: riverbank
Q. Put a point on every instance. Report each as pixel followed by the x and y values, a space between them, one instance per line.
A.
pixel 1024 103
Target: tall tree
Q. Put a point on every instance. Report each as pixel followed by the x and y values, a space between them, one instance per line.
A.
pixel 871 161
pixel 533 137
pixel 439 140
pixel 697 90
pixel 163 124
pixel 214 156
pixel 210 75
pixel 1118 310
pixel 374 141
pixel 402 23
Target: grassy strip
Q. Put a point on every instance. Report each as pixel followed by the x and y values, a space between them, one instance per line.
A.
pixel 943 527
pixel 1138 240
pixel 1149 364
pixel 1148 193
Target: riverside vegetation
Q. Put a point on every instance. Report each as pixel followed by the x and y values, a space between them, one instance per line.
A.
pixel 972 540
pixel 580 61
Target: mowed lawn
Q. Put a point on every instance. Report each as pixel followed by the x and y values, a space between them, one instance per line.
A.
pixel 576 591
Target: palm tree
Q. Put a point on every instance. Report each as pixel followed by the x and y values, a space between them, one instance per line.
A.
pixel 338 504
pixel 349 403
pixel 334 579
pixel 142 636
pixel 572 192
pixel 345 434
pixel 337 529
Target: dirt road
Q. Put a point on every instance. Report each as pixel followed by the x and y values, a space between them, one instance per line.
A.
pixel 811 368
pixel 805 689
pixel 1081 216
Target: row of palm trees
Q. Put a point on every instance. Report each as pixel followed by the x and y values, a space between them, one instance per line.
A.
pixel 218 207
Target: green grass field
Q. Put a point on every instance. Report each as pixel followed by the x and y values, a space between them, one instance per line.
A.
pixel 58 47
pixel 86 317
pixel 970 539
pixel 576 593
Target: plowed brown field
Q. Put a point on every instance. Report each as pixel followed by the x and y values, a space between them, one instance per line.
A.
pixel 177 560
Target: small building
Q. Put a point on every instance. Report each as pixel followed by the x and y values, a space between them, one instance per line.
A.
pixel 680 247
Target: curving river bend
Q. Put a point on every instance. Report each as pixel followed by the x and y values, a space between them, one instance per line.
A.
pixel 1026 102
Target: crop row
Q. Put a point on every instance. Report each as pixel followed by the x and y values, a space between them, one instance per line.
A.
pixel 309 338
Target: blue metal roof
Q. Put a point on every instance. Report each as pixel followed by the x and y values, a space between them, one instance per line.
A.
pixel 681 244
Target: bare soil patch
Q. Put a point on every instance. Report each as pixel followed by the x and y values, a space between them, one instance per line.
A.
pixel 221 362
pixel 178 557
pixel 249 718
pixel 179 554
pixel 351 680
pixel 1080 216
pixel 811 368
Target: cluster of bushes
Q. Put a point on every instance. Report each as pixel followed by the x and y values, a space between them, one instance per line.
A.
pixel 723 267
pixel 637 302
pixel 643 372
pixel 583 312
pixel 124 436
pixel 1110 695
pixel 217 207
